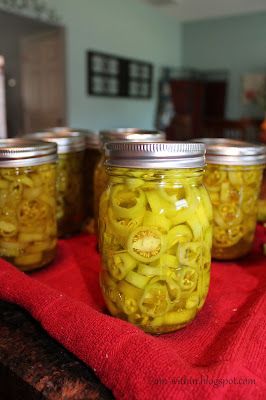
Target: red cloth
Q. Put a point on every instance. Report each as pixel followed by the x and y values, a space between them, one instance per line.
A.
pixel 221 355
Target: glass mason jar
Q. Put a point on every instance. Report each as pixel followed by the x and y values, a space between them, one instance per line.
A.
pixel 28 231
pixel 70 179
pixel 92 157
pixel 233 180
pixel 155 234
pixel 129 135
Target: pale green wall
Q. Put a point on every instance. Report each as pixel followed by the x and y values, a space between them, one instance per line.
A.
pixel 236 44
pixel 123 27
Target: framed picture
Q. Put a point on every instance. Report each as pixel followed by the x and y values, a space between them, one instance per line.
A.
pixel 253 88
pixel 113 76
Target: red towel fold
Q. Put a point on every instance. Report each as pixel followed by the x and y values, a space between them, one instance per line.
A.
pixel 220 355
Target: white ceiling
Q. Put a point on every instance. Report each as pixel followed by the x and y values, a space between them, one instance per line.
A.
pixel 187 10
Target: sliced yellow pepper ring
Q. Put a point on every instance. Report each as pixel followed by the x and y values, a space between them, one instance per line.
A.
pixel 123 226
pixel 172 195
pixel 111 306
pixel 109 286
pixel 229 213
pixel 206 202
pixel 215 198
pixel 173 289
pixel 214 178
pixel 128 297
pixel 203 286
pixel 174 318
pixel 146 244
pixel 157 221
pixel 148 270
pixel 235 178
pixel 193 301
pixel 127 203
pixel 156 203
pixel 206 257
pixel 120 264
pixel 225 192
pixel 155 300
pixel 178 234
pixel 208 237
pixel 229 237
pixel 188 278
pixel 168 261
pixel 189 253
pixel 138 280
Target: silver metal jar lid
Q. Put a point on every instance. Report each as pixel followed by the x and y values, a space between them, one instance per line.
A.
pixel 67 142
pixel 26 152
pixel 132 135
pixel 158 155
pixel 233 152
pixel 92 137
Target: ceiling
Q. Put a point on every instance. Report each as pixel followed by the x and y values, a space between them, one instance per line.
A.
pixel 187 10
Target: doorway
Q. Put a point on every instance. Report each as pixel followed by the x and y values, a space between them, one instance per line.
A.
pixel 34 54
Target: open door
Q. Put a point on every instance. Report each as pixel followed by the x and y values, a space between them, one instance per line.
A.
pixel 43 81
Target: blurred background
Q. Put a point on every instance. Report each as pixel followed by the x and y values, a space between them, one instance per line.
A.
pixel 207 56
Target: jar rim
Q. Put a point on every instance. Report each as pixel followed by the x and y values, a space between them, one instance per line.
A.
pixel 131 134
pixel 20 152
pixel 160 155
pixel 92 137
pixel 67 142
pixel 233 152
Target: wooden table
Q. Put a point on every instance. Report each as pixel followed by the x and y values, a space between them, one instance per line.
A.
pixel 34 366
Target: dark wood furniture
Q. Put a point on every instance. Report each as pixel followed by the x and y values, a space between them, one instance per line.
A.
pixel 194 101
pixel 34 366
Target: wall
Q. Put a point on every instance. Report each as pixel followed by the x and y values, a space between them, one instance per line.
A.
pixel 123 27
pixel 236 44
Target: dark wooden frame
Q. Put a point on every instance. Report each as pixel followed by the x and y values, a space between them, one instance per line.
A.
pixel 123 76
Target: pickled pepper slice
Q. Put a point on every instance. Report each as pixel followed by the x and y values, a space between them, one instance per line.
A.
pixel 188 278
pixel 155 300
pixel 127 203
pixel 146 244
pixel 120 264
pixel 189 253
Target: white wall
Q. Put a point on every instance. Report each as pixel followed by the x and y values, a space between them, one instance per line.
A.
pixel 125 28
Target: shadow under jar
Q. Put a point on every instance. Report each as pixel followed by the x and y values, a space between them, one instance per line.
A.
pixel 233 179
pixel 125 134
pixel 155 234
pixel 70 182
pixel 28 231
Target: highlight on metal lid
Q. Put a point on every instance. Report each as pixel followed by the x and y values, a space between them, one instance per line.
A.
pixel 161 155
pixel 20 152
pixel 92 137
pixel 67 142
pixel 132 134
pixel 233 152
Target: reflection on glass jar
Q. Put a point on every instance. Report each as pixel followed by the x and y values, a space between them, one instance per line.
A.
pixel 28 231
pixel 233 180
pixel 128 135
pixel 155 235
